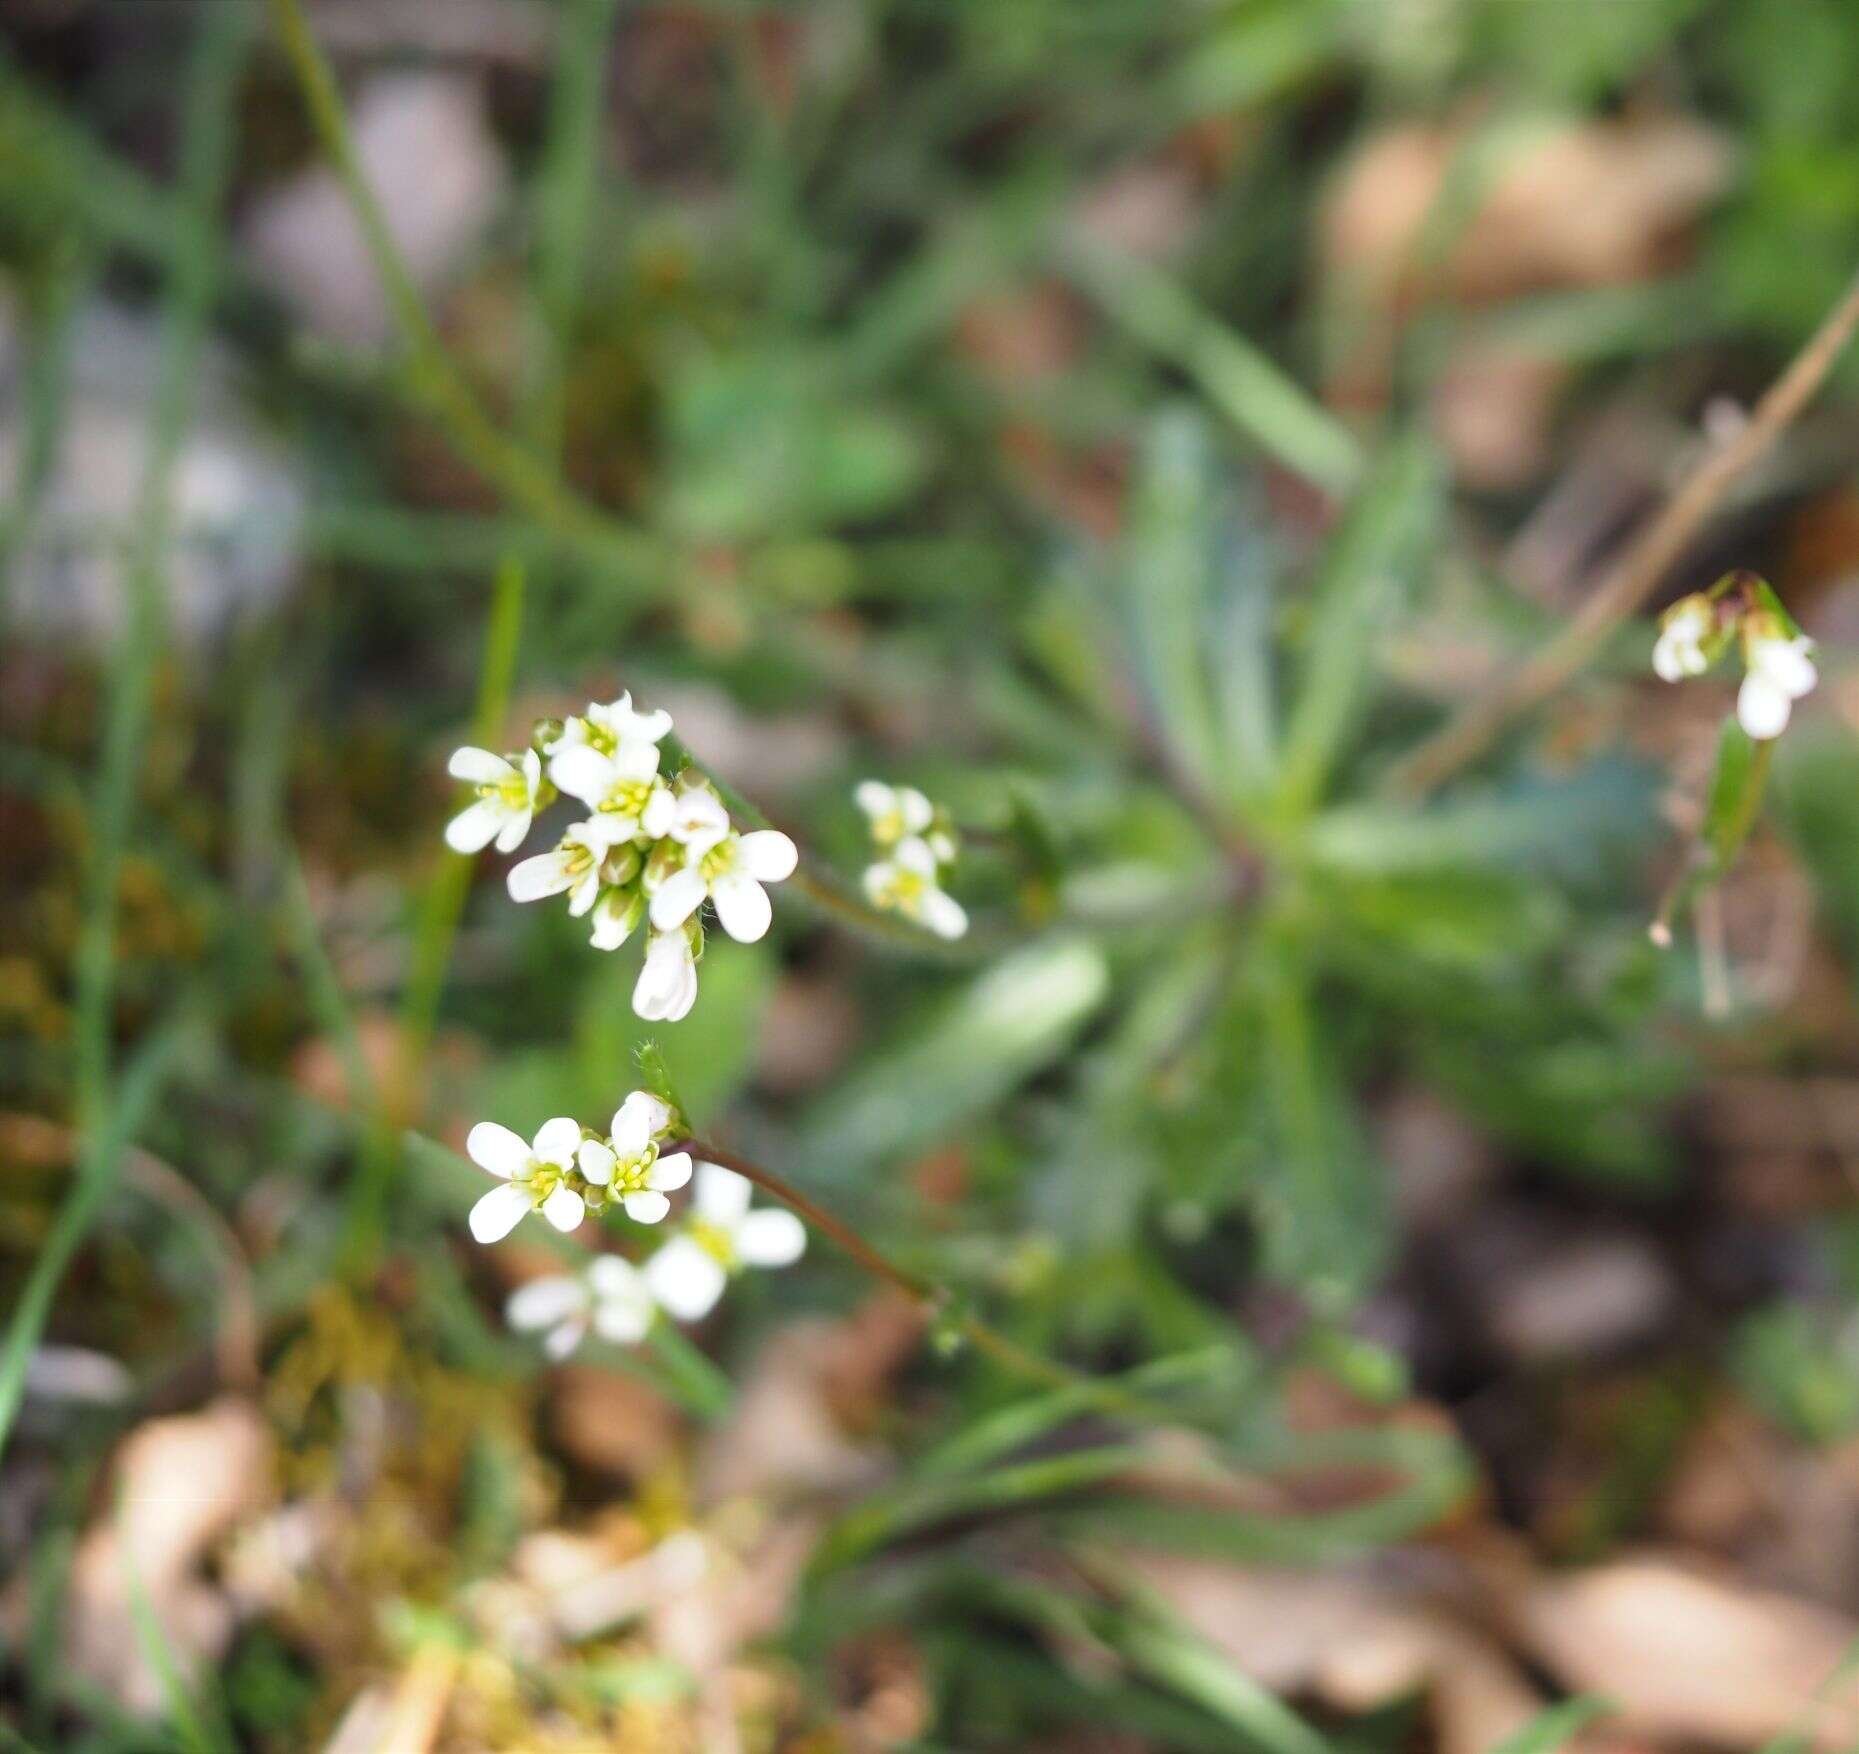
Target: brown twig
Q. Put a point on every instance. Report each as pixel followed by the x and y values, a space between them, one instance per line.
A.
pixel 1638 572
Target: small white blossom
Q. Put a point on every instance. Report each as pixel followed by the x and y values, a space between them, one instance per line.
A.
pixel 1779 672
pixel 894 811
pixel 906 883
pixel 1679 650
pixel 612 1295
pixel 719 1237
pixel 731 872
pixel 573 868
pixel 621 788
pixel 667 985
pixel 606 727
pixel 506 800
pixel 535 1177
pixel 627 1165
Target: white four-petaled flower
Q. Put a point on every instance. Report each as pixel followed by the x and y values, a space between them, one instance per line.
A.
pixel 730 869
pixel 894 812
pixel 534 1176
pixel 906 882
pixel 611 1296
pixel 607 726
pixel 620 787
pixel 627 1163
pixel 719 1236
pixel 505 804
pixel 1779 671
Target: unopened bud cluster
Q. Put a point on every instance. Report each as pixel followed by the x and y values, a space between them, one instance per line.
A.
pixel 1778 664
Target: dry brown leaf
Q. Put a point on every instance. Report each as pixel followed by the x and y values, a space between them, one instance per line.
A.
pixel 612 1423
pixel 1685 1654
pixel 1586 203
pixel 180 1486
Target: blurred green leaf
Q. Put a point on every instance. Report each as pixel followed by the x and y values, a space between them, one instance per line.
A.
pixel 1556 1727
pixel 926 1082
pixel 1368 567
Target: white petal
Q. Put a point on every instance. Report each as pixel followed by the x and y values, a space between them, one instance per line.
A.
pixel 474 827
pixel 614 1276
pixel 914 856
pixel 532 774
pixel 646 1207
pixel 722 1196
pixel 1762 708
pixel 546 874
pixel 742 905
pixel 1665 660
pixel 670 1173
pixel 768 854
pixel 623 1322
pixel 637 1120
pixel 544 1302
pixel 875 798
pixel 1787 665
pixel 943 914
pixel 515 829
pixel 583 894
pixel 878 880
pixel 686 1279
pixel 582 773
pixel 499 1212
pixel 557 1141
pixel 497 1149
pixel 685 996
pixel 634 761
pixel 614 919
pixel 562 1341
pixel 660 812
pixel 915 809
pixel 479 766
pixel 679 896
pixel 771 1238
pixel 595 1161
pixel 564 1209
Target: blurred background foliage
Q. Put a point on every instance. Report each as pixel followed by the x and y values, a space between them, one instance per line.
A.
pixel 1138 426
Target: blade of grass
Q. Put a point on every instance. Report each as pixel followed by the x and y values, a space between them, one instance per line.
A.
pixel 1262 401
pixel 190 1726
pixel 105 1118
pixel 441 907
pixel 1552 1729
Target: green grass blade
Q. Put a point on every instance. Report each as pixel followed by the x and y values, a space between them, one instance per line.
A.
pixel 1554 1728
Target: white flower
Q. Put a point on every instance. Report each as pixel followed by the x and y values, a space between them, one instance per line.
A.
pixel 574 867
pixel 906 882
pixel 616 916
pixel 894 811
pixel 698 818
pixel 1780 672
pixel 621 787
pixel 720 1236
pixel 506 799
pixel 667 985
pixel 535 1176
pixel 731 871
pixel 1679 650
pixel 627 1164
pixel 612 1294
pixel 607 727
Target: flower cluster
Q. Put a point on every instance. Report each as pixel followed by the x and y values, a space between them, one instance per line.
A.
pixel 1778 666
pixel 652 847
pixel 719 1236
pixel 917 848
pixel 569 1170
